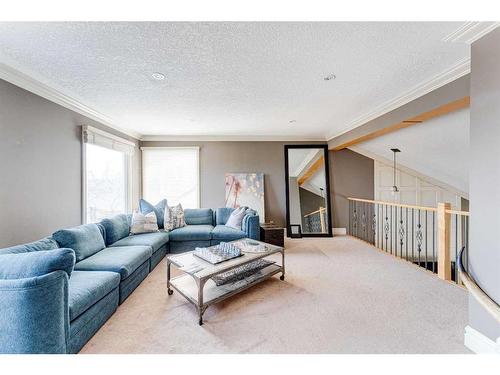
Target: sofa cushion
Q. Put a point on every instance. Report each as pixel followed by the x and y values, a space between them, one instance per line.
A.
pixel 116 228
pixel 36 263
pixel 86 288
pixel 40 245
pixel 223 233
pixel 198 216
pixel 155 240
pixel 159 209
pixel 121 259
pixel 86 239
pixel 222 214
pixel 192 233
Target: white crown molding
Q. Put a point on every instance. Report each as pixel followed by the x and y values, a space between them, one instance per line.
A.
pixel 479 343
pixel 458 70
pixel 228 138
pixel 469 32
pixel 28 83
pixel 411 171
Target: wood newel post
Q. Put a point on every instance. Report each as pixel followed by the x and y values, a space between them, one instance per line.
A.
pixel 443 237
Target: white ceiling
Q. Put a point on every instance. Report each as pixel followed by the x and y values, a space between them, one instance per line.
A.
pixel 232 79
pixel 438 148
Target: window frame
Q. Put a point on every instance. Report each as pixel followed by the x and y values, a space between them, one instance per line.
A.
pixel 198 174
pixel 127 159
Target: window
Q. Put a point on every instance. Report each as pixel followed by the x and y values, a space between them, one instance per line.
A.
pixel 172 173
pixel 106 177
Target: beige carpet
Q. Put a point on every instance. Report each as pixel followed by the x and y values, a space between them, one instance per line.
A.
pixel 340 296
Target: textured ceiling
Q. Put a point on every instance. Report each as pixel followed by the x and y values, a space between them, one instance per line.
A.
pixel 438 148
pixel 232 79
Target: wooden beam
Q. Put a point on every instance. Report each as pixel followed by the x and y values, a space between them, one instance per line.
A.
pixel 426 116
pixel 311 170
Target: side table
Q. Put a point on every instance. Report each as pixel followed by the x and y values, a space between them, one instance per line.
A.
pixel 272 234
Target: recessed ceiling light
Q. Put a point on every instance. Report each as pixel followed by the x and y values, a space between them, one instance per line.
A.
pixel 158 76
pixel 330 77
pixel 292 121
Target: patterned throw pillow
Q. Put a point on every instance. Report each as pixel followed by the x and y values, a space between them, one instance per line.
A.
pixel 174 218
pixel 143 223
pixel 236 218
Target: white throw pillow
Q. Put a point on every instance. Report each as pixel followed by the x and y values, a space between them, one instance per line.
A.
pixel 174 218
pixel 236 218
pixel 143 223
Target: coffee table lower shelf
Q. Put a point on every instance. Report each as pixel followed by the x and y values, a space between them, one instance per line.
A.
pixel 187 286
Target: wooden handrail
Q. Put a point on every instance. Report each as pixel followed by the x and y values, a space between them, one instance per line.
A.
pixel 394 204
pixel 315 212
pixel 455 212
pixel 480 295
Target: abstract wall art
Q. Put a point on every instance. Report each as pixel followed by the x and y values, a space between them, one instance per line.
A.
pixel 246 189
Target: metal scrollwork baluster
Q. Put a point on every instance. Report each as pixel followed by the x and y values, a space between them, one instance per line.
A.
pixel 419 236
pixel 355 221
pixel 401 231
pixel 374 226
pixel 386 228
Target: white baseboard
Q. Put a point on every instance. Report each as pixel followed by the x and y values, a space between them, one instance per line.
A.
pixel 479 343
pixel 339 231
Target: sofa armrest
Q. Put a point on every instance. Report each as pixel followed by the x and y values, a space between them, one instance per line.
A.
pixel 35 314
pixel 251 226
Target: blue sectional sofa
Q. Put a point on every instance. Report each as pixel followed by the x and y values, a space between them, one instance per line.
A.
pixel 57 292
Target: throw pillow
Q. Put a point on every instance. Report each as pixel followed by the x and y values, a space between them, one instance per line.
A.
pixel 145 207
pixel 174 217
pixel 143 223
pixel 236 218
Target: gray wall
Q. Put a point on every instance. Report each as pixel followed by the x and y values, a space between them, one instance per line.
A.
pixel 217 158
pixel 351 175
pixel 485 177
pixel 40 166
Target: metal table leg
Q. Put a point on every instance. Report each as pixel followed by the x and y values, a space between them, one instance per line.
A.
pixel 282 277
pixel 201 310
pixel 169 291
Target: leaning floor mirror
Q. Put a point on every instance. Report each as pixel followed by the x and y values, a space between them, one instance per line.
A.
pixel 308 211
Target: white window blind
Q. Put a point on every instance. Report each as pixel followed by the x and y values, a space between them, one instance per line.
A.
pixel 171 173
pixel 101 138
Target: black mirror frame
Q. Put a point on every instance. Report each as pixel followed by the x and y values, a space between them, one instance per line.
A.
pixel 327 177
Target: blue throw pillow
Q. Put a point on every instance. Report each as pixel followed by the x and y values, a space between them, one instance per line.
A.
pixel 145 207
pixel 86 239
pixel 36 263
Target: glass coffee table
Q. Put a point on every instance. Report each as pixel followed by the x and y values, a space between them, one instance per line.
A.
pixel 197 286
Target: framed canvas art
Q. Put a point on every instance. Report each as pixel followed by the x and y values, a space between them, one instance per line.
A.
pixel 246 189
